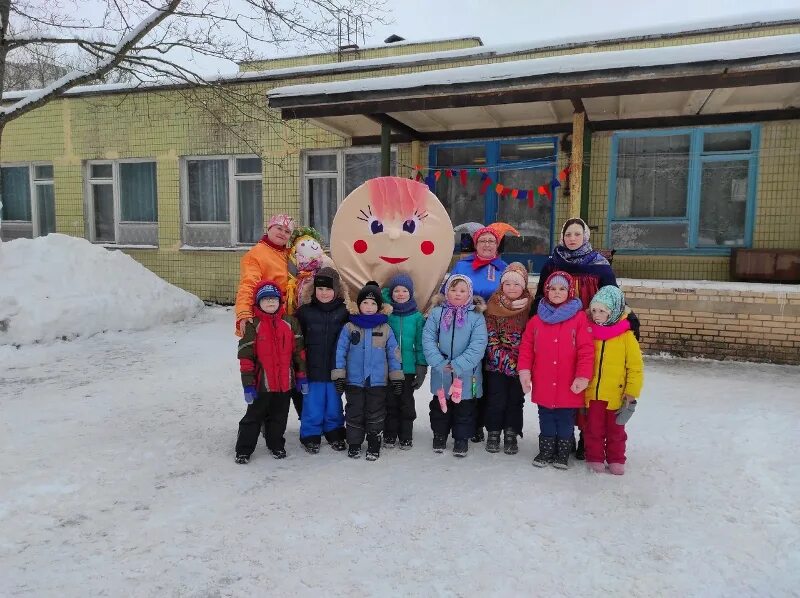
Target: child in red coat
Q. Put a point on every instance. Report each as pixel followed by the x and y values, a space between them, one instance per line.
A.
pixel 557 355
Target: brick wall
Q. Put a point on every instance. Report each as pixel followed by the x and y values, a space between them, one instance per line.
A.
pixel 738 321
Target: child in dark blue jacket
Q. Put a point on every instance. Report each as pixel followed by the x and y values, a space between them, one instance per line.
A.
pixel 367 358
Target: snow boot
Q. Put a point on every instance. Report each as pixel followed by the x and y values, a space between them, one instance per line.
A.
pixel 354 452
pixel 390 441
pixel 597 467
pixel 278 453
pixel 563 447
pixel 460 448
pixel 406 444
pixel 243 459
pixel 493 442
pixel 616 468
pixel 580 450
pixel 547 449
pixel 478 436
pixel 311 444
pixel 510 446
pixel 338 445
pixel 373 447
pixel 439 443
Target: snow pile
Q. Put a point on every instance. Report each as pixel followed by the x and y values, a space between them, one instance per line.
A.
pixel 61 287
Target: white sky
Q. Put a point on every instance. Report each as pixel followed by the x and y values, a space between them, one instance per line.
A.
pixel 512 21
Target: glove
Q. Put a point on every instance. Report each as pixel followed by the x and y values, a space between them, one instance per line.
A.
pixel 579 385
pixel 455 390
pixel 625 412
pixel 525 381
pixel 304 388
pixel 419 379
pixel 249 394
pixel 339 384
pixel 397 387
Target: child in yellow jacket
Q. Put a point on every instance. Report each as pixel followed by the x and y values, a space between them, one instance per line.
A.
pixel 616 384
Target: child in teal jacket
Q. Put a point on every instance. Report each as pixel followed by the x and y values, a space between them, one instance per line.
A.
pixel 407 324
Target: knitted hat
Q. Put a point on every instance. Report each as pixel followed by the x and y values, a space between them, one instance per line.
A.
pixel 400 280
pixel 515 271
pixel 482 231
pixel 584 226
pixel 267 290
pixel 371 290
pixel 612 299
pixel 282 220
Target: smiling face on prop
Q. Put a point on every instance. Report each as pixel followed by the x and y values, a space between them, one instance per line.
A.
pixel 388 225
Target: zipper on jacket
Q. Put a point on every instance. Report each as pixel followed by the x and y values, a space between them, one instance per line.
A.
pixel 599 371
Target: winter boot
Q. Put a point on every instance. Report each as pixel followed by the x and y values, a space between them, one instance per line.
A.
pixel 493 442
pixel 616 468
pixel 547 450
pixel 580 450
pixel 278 453
pixel 406 444
pixel 563 447
pixel 478 436
pixel 354 451
pixel 338 445
pixel 510 442
pixel 243 459
pixel 597 467
pixel 460 448
pixel 373 447
pixel 311 444
pixel 439 443
pixel 390 441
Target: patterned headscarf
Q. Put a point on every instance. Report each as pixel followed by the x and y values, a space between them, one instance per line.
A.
pixel 584 254
pixel 281 219
pixel 611 298
pixel 456 312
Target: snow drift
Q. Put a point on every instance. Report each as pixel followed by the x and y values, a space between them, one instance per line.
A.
pixel 62 287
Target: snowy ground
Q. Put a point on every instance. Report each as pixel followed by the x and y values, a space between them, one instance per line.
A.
pixel 117 478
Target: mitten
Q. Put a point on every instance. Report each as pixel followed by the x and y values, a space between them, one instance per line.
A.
pixel 455 390
pixel 442 400
pixel 339 384
pixel 249 394
pixel 397 387
pixel 419 378
pixel 625 412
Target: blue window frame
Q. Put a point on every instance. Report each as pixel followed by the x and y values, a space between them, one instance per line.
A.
pixel 678 191
pixel 517 163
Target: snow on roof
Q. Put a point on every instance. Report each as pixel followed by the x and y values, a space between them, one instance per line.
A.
pixel 497 50
pixel 567 63
pixel 63 287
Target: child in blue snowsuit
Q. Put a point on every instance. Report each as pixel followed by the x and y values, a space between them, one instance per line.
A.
pixel 367 358
pixel 321 318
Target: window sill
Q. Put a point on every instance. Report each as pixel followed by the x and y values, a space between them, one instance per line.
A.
pixel 231 249
pixel 119 246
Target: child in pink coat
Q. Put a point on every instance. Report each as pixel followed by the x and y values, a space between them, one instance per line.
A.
pixel 556 362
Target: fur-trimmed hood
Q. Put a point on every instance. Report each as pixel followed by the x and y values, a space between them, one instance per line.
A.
pixel 307 292
pixel 352 308
pixel 477 301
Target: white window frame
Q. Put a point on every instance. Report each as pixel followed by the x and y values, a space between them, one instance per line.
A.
pixel 339 175
pixel 233 199
pixel 89 199
pixel 33 183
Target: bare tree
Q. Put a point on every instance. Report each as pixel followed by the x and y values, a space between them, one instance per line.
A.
pixel 146 41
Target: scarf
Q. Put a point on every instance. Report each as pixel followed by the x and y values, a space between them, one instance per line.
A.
pixel 268 243
pixel 368 321
pixel 277 338
pixel 326 307
pixel 604 333
pixel 502 307
pixel 454 312
pixel 403 309
pixel 555 314
pixel 583 255
pixel 479 262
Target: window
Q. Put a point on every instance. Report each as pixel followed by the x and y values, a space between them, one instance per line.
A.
pixel 122 202
pixel 330 175
pixel 223 203
pixel 28 198
pixel 684 190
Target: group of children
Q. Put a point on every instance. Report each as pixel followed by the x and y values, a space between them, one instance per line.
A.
pixel 378 351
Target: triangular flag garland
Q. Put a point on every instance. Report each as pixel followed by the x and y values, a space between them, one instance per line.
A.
pixel 463 174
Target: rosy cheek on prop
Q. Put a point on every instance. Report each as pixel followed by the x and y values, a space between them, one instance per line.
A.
pixel 360 246
pixel 427 247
